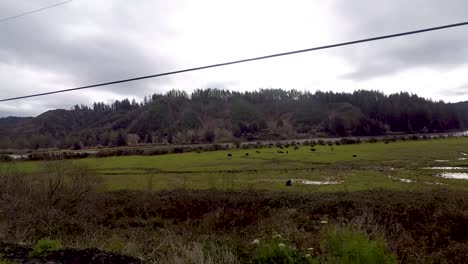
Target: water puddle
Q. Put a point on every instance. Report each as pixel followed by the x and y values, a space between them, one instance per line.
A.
pixel 462 158
pixel 441 160
pixel 445 168
pixel 381 168
pixel 454 175
pixel 463 153
pixel 434 183
pixel 401 179
pixel 301 181
pixel 13 156
pixel 308 182
pixel 406 180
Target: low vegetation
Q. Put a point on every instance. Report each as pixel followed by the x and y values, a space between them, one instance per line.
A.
pixel 44 246
pixel 208 207
pixel 348 245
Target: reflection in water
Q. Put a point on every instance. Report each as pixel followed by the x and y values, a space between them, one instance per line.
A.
pixel 455 175
pixel 446 168
pixel 13 156
pixel 406 180
pixel 308 182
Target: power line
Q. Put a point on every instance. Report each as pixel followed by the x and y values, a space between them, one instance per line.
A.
pixel 34 11
pixel 244 60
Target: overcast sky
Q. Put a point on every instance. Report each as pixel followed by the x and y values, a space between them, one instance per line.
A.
pixel 87 41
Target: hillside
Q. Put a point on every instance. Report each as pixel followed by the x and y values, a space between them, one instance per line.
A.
pixel 214 115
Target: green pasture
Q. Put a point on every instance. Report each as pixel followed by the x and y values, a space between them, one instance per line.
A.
pixel 398 165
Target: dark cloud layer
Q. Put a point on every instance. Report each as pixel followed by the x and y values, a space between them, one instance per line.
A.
pixel 442 50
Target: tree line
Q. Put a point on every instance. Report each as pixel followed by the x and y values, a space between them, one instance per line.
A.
pixel 215 115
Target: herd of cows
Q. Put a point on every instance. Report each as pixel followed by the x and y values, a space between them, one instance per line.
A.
pixel 282 149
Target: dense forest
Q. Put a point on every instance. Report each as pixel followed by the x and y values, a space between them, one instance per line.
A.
pixel 214 115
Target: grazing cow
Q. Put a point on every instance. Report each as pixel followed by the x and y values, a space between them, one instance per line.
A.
pixel 296 148
pixel 280 152
pixel 246 154
pixel 287 152
pixel 354 156
pixel 312 149
pixel 330 144
pixel 229 155
pixel 333 149
pixel 288 183
pixel 258 152
pixel 281 147
pixel 386 142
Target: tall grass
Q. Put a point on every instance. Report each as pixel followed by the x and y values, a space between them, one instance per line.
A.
pixel 349 245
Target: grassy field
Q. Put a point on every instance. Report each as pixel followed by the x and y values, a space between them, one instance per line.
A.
pixel 398 165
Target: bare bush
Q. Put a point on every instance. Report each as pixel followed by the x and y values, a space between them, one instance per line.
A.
pixel 66 184
pixel 36 205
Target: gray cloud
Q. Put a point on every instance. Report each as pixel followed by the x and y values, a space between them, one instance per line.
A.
pixel 441 50
pixel 86 42
pixel 458 91
pixel 82 47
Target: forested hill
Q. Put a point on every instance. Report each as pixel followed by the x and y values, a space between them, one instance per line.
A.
pixel 214 115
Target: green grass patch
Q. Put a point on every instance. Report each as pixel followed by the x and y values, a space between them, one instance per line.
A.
pixel 45 245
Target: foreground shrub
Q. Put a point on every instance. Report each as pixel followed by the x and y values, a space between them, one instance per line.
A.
pixel 5 158
pixel 275 251
pixel 338 245
pixel 347 245
pixel 43 246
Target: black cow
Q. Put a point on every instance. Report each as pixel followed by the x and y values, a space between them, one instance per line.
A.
pixel 280 152
pixel 229 155
pixel 312 149
pixel 288 183
pixel 246 154
pixel 258 152
pixel 354 156
pixel 296 148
